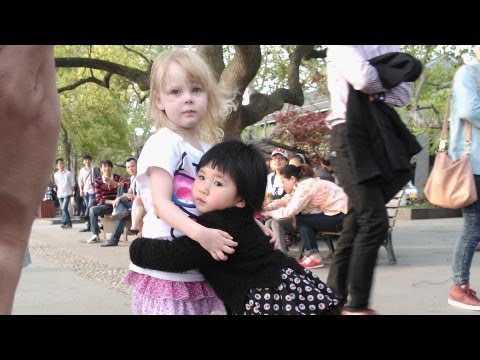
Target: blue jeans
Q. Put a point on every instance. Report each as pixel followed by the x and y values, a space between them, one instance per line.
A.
pixel 64 202
pixel 95 212
pixel 469 239
pixel 88 201
pixel 118 230
pixel 309 224
pixel 125 205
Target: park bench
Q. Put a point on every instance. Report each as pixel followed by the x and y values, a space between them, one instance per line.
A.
pixel 329 237
pixel 109 224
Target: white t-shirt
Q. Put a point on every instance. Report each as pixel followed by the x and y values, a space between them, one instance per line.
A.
pixel 65 183
pixel 274 187
pixel 167 150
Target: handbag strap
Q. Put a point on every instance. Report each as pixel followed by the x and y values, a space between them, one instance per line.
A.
pixel 467 134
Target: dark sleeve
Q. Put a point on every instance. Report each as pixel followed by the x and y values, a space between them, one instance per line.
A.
pixel 178 255
pixel 126 181
pixel 98 191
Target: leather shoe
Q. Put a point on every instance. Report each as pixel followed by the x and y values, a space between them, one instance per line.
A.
pixel 84 230
pixel 110 243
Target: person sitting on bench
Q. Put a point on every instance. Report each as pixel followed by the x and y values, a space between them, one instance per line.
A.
pixel 318 205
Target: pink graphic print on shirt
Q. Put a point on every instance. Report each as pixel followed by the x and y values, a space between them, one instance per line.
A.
pixel 182 190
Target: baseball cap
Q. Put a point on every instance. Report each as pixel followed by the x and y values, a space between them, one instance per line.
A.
pixel 280 151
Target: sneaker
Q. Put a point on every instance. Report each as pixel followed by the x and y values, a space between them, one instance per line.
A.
pixel 63 226
pixel 463 297
pixel 119 215
pixel 309 263
pixel 67 226
pixel 367 311
pixel 110 243
pixel 93 239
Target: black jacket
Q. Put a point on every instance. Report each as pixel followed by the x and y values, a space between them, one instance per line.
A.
pixel 379 143
pixel 253 265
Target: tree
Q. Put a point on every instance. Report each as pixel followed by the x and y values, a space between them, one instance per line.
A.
pixel 304 130
pixel 244 62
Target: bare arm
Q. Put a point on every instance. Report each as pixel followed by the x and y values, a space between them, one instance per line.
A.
pixel 217 242
pixel 30 122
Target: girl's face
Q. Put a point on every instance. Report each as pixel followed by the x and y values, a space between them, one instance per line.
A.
pixel 289 183
pixel 214 190
pixel 185 102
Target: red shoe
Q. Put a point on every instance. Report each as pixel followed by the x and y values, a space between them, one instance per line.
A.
pixel 367 311
pixel 463 297
pixel 309 263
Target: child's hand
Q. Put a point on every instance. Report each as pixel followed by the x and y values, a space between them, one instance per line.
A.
pixel 217 242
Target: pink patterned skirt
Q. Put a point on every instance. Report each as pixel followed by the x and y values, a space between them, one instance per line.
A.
pixel 152 296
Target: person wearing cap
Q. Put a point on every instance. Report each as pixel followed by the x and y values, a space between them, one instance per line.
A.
pixel 279 160
pixel 274 191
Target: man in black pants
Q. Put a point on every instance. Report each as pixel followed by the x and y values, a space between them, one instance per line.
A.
pixel 370 153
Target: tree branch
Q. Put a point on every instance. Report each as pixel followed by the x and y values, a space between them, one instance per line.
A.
pixel 142 78
pixel 261 105
pixel 137 52
pixel 213 55
pixel 99 82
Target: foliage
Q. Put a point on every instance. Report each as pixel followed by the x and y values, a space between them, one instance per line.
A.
pixel 304 130
pixel 432 90
pixel 109 120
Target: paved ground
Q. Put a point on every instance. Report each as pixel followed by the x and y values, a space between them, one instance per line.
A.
pixel 68 276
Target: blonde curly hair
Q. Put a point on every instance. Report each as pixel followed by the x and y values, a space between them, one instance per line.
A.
pixel 220 101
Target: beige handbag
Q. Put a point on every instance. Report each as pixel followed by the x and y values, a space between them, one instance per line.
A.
pixel 451 183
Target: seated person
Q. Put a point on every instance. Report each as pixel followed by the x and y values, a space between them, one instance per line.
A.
pixel 138 212
pixel 274 189
pixel 298 159
pixel 255 279
pixel 326 171
pixel 317 204
pixel 105 194
pixel 122 205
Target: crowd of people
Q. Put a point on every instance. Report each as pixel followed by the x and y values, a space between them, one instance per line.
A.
pixel 213 223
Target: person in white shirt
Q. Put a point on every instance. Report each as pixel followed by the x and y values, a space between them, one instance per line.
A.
pixel 65 184
pixel 86 184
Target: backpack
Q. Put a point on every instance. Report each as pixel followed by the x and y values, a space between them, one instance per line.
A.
pixel 276 196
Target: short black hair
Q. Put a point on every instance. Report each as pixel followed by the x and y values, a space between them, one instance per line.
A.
pixel 58 160
pixel 130 159
pixel 86 156
pixel 106 162
pixel 245 165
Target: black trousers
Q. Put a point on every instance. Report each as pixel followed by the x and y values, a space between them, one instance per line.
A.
pixel 365 227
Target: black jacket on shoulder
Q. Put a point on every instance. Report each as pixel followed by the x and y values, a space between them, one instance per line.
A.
pixel 379 143
pixel 253 265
